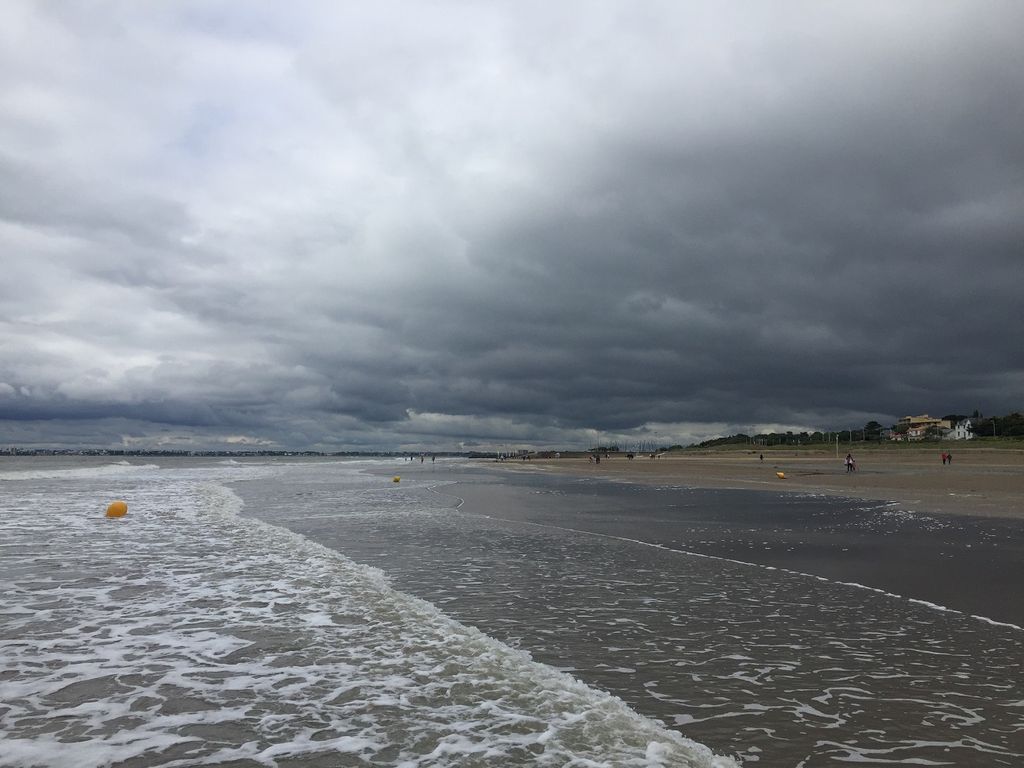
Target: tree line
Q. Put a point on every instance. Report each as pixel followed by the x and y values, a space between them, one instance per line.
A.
pixel 982 427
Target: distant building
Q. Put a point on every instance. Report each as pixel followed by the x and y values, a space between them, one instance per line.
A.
pixel 917 427
pixel 963 430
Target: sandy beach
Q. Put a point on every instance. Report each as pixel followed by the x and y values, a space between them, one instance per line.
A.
pixel 698 546
pixel 980 482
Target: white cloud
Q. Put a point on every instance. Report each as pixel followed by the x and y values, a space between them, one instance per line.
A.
pixel 339 225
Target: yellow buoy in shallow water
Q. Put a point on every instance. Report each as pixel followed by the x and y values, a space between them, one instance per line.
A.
pixel 117 509
pixel 396 479
pixel 780 475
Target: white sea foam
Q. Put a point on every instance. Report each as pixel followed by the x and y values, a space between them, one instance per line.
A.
pixel 995 623
pixel 72 473
pixel 184 635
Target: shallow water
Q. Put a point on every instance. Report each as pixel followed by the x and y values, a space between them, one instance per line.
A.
pixel 776 666
pixel 185 634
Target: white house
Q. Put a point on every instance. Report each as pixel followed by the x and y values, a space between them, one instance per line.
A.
pixel 962 430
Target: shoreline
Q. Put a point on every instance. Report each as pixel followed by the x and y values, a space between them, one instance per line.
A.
pixel 979 482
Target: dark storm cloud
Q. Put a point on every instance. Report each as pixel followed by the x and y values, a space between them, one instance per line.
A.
pixel 507 224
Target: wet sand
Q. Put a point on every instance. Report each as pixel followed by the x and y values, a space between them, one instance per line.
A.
pixel 979 482
pixel 599 577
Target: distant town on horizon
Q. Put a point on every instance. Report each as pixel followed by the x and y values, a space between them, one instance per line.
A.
pixel 907 429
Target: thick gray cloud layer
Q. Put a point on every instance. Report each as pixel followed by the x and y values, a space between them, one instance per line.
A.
pixel 450 224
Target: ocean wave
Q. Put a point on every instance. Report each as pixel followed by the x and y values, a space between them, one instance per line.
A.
pixel 58 473
pixel 184 634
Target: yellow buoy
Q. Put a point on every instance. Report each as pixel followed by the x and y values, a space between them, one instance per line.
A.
pixel 117 509
pixel 396 479
pixel 780 475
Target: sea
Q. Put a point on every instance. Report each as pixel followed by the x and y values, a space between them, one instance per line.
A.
pixel 380 612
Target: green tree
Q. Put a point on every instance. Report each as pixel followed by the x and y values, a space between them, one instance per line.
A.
pixel 873 430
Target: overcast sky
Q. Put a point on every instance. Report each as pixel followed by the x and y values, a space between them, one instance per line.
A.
pixel 434 225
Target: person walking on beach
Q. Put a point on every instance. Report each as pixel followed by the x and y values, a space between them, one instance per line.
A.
pixel 943 458
pixel 849 462
pixel 949 458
